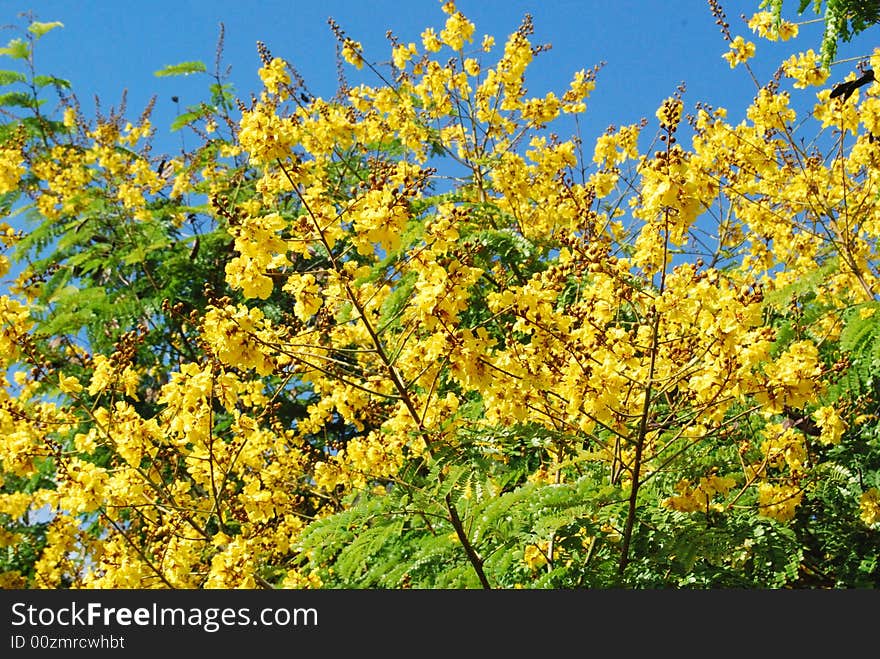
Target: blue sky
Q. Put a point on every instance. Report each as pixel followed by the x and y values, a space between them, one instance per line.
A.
pixel 648 46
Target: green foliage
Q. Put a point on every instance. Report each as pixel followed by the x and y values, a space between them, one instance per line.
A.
pixel 41 81
pixel 401 537
pixel 18 99
pixel 16 49
pixel 182 69
pixel 843 20
pixel 38 29
pixel 9 77
pixel 29 531
pixel 860 340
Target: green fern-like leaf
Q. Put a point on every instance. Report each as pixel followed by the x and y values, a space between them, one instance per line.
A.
pixel 804 285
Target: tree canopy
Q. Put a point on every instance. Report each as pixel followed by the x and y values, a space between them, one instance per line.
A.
pixel 413 337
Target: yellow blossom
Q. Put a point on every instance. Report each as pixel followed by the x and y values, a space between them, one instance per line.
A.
pixel 457 30
pixel 766 26
pixel 401 54
pixel 806 69
pixel 778 502
pixel 274 75
pixel 11 169
pixel 831 425
pixel 352 52
pixel 869 506
pixel 741 51
pixel 472 67
pixel 430 41
pixel 70 385
pixel 535 556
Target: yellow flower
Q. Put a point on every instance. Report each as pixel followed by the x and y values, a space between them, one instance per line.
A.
pixel 793 378
pixel 11 169
pixel 534 556
pixel 765 25
pixel 307 294
pixel 457 31
pixel 787 30
pixel 869 506
pixel 430 41
pixel 69 385
pixel 805 69
pixel 669 112
pixel 740 52
pixel 693 499
pixel 778 502
pixel 274 75
pixel 762 23
pixel 103 375
pixel 581 85
pixel 831 424
pixel 613 148
pixel 352 52
pixel 265 135
pixel 401 54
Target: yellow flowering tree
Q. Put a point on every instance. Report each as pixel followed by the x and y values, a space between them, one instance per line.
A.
pixel 412 337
